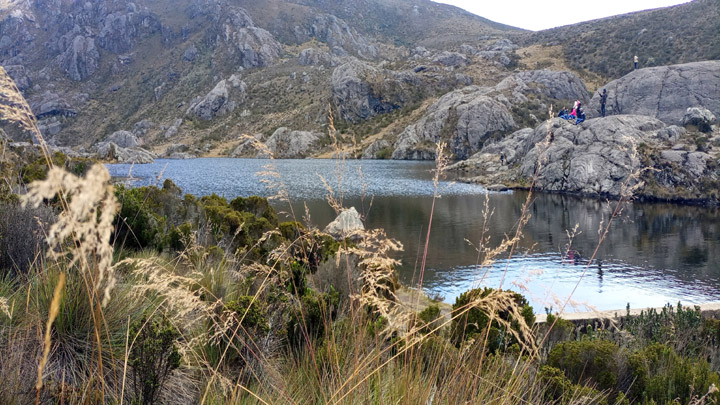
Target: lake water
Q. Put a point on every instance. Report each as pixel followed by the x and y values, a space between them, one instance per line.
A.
pixel 653 254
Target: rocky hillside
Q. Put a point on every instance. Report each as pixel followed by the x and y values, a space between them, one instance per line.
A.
pixel 668 36
pixel 182 78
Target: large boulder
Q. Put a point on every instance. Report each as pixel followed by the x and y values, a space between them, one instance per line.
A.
pixel 466 118
pixel 361 91
pixel 124 139
pixel 80 60
pixel 603 156
pixel 664 92
pixel 285 143
pixel 347 224
pixel 111 151
pixel 380 149
pixel 340 36
pixel 216 103
pixel 547 84
pixel 117 33
pixel 702 118
pixel 316 57
pixel 51 104
pixel 451 59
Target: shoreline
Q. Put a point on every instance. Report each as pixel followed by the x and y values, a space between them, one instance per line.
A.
pixel 709 310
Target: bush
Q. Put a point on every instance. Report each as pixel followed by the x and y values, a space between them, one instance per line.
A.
pixel 152 358
pixel 587 361
pixel 22 233
pixel 475 320
pixel 559 389
pixel 661 375
pixel 310 319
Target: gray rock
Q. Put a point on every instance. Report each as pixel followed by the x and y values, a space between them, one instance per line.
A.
pixel 671 133
pixel 117 33
pixel 452 59
pixel 465 117
pixel 543 83
pixel 123 139
pixel 216 103
pixel 190 54
pixel 347 224
pixel 503 45
pixel 316 57
pixel 141 128
pixel 701 118
pixel 19 75
pixel 597 157
pixel 51 104
pixel 110 151
pixel 357 99
pixel 285 143
pixel 253 47
pixel 664 92
pixel 179 151
pixel 80 60
pixel 338 34
pixel 250 147
pixel 371 152
pixel 174 128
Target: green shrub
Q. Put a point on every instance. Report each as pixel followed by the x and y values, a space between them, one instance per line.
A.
pixel 661 375
pixel 587 361
pixel 559 389
pixel 430 318
pixel 475 321
pixel 309 320
pixel 152 358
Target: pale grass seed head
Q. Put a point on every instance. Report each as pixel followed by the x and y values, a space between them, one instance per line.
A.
pixel 5 307
pixel 86 220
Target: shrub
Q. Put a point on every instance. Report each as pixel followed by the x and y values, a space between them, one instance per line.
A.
pixel 152 358
pixel 661 375
pixel 475 320
pixel 559 389
pixel 22 232
pixel 310 319
pixel 593 361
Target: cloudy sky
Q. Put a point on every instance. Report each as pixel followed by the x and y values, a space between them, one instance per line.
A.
pixel 541 14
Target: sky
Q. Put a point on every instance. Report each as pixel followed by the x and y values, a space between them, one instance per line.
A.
pixel 542 14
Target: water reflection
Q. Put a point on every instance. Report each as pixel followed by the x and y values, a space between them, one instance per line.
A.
pixel 653 254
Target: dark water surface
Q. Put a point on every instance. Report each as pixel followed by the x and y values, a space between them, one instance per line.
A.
pixel 653 254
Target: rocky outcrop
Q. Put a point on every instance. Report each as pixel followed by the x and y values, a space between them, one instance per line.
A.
pixel 452 59
pixel 598 157
pixel 80 60
pixel 464 118
pixel 340 37
pixel 217 102
pixel 347 223
pixel 664 92
pixel 378 150
pixel 701 118
pixel 19 75
pixel 179 151
pixel 288 144
pixel 51 104
pixel 113 152
pixel 361 91
pixel 174 128
pixel 316 57
pixel 124 139
pixel 249 46
pixel 543 84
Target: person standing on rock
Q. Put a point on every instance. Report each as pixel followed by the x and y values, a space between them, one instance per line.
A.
pixel 603 100
pixel 636 61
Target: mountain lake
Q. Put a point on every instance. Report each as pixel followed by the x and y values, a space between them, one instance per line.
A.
pixel 653 254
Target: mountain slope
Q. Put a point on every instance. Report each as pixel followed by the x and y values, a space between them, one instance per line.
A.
pixel 680 34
